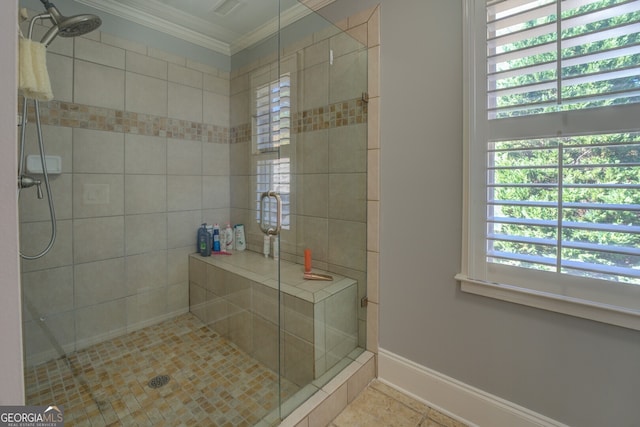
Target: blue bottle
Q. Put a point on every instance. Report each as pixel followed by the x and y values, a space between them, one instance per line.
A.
pixel 216 238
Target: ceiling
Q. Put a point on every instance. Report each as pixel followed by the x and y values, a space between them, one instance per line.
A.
pixel 224 26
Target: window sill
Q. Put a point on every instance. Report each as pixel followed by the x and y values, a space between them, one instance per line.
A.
pixel 552 302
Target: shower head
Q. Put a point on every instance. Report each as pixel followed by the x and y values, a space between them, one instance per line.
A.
pixel 68 26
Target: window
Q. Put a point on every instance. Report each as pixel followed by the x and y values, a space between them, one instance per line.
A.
pixel 272 127
pixel 553 155
pixel 273 114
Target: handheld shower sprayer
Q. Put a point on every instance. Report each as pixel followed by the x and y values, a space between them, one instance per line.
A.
pixel 64 26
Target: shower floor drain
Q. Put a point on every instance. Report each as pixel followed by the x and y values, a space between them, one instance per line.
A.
pixel 159 381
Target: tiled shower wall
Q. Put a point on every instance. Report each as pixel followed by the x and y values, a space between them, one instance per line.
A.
pixel 328 153
pixel 143 136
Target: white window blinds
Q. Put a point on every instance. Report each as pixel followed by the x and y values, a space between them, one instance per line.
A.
pixel 553 185
pixel 273 114
pixel 549 55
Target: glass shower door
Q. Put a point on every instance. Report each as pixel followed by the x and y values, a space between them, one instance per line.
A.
pixel 322 322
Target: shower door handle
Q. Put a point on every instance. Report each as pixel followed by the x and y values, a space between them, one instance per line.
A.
pixel 271 231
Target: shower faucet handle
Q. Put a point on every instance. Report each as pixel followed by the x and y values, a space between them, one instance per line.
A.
pixel 25 181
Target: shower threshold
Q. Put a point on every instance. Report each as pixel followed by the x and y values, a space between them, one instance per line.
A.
pixel 212 381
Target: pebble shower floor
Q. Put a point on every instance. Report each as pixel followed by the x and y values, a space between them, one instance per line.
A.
pixel 211 381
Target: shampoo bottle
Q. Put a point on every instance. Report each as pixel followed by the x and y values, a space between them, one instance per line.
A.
pixel 201 230
pixel 204 241
pixel 228 238
pixel 241 243
pixel 266 244
pixel 276 248
pixel 216 238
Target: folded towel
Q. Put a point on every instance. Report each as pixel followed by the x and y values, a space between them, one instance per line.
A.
pixel 34 77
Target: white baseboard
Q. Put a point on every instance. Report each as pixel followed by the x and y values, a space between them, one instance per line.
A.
pixel 456 399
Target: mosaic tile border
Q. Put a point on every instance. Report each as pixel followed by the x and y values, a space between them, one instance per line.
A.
pixel 68 114
pixel 346 113
pixel 336 115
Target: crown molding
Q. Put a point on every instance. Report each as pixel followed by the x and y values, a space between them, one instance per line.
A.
pixel 144 14
pixel 289 16
pixel 315 5
pixel 159 24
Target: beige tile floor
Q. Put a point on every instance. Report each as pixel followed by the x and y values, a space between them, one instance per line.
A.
pixel 212 382
pixel 380 405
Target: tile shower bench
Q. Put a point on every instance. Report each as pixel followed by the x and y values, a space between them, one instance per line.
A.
pixel 237 295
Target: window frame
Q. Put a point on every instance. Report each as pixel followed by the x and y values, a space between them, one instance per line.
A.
pixel 561 293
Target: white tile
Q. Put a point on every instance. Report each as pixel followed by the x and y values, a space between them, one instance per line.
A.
pixel 91 51
pixel 240 192
pixel 166 56
pixel 216 84
pixel 145 194
pixel 185 102
pixel 146 65
pixel 146 271
pixel 109 93
pixel 348 241
pixel 60 70
pixel 146 95
pixel 34 238
pixel 215 109
pixel 240 158
pixel 373 124
pixel 57 142
pixel 329 408
pixel 47 292
pixel 316 53
pixel 240 109
pixel 129 45
pixel 34 209
pixel 312 150
pixel 215 159
pixel 348 77
pixel 348 196
pixel 184 193
pixel 313 195
pixel 145 233
pixel 373 276
pixel 98 282
pixel 97 239
pixel 343 43
pixel 146 308
pixel 42 342
pixel 199 66
pixel 145 154
pixel 185 76
pixel 182 228
pixel 316 86
pixel 215 192
pixel 373 175
pixel 97 151
pixel 373 226
pixel 102 321
pixel 178 297
pixel 178 264
pixel 348 149
pixel 184 157
pixel 96 195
